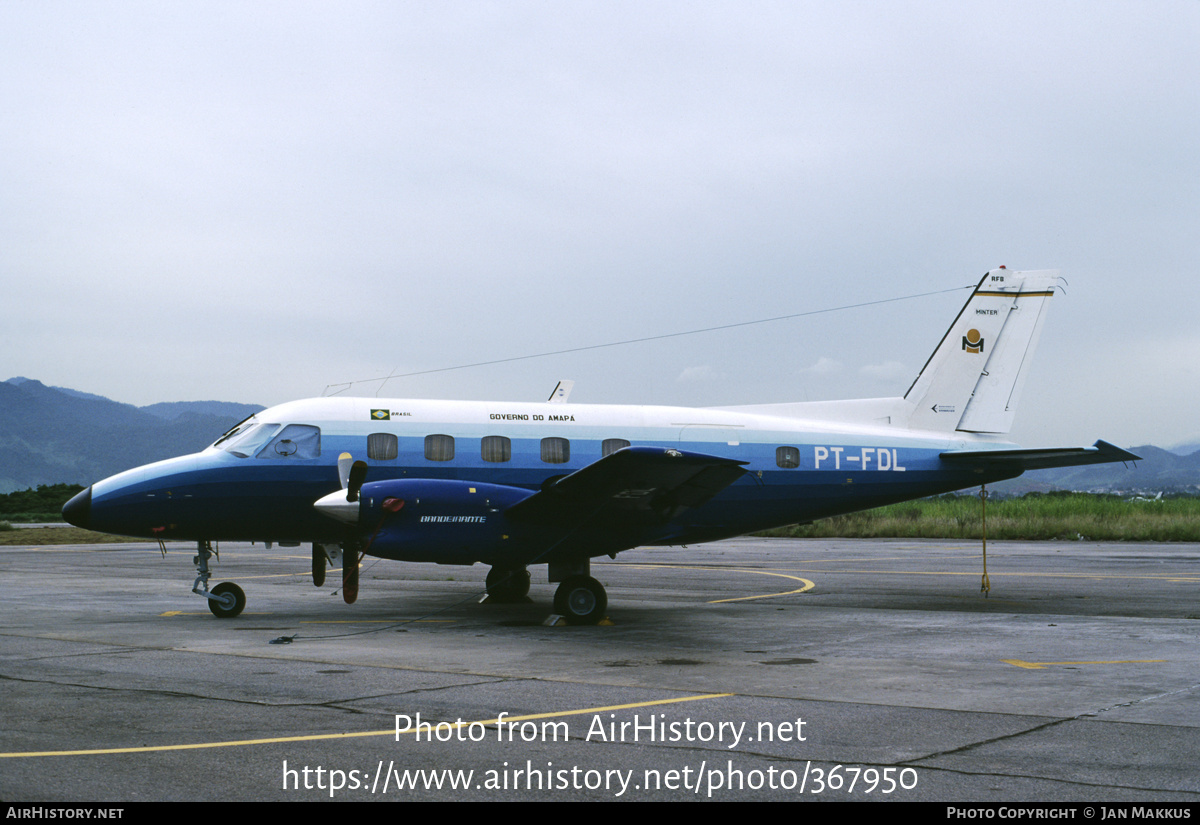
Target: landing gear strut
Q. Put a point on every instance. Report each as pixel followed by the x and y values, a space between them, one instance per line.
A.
pixel 226 600
pixel 324 555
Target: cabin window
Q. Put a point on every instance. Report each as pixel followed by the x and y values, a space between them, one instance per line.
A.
pixel 611 445
pixel 439 447
pixel 382 446
pixel 496 448
pixel 787 457
pixel 556 450
pixel 294 441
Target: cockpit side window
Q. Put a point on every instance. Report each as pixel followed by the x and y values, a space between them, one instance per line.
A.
pixel 246 442
pixel 294 441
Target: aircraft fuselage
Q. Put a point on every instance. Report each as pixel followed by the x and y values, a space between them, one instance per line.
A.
pixel 796 471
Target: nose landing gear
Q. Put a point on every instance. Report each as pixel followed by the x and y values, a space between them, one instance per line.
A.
pixel 226 600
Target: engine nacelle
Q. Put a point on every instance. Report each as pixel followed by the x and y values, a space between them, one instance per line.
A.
pixel 440 520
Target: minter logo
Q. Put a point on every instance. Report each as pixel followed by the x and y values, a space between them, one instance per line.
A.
pixel 972 341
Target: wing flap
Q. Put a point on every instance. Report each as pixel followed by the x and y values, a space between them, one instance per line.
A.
pixel 1040 459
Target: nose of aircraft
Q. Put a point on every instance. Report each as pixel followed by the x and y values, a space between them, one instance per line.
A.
pixel 78 510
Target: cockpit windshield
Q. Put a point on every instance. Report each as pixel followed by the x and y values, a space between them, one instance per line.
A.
pixel 245 441
pixel 236 430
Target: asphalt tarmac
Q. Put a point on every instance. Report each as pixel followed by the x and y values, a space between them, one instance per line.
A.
pixel 750 669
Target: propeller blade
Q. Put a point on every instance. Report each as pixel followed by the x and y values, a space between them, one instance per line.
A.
pixel 343 465
pixel 358 474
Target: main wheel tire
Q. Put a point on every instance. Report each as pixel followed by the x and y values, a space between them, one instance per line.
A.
pixel 230 600
pixel 507 584
pixel 581 600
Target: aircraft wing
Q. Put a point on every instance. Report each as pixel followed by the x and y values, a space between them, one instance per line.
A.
pixel 1040 459
pixel 636 480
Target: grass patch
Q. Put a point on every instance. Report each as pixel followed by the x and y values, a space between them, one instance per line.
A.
pixel 1037 516
pixel 42 536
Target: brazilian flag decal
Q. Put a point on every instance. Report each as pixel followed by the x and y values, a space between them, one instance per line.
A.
pixel 381 415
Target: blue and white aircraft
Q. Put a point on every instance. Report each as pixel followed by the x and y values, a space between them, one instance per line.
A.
pixel 514 484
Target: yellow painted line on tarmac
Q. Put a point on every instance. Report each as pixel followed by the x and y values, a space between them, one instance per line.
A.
pixel 1044 665
pixel 202 613
pixel 1016 574
pixel 172 613
pixel 377 621
pixel 1176 578
pixel 906 558
pixel 808 585
pixel 301 574
pixel 57 548
pixel 362 734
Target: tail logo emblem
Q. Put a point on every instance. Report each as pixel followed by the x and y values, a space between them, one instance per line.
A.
pixel 972 341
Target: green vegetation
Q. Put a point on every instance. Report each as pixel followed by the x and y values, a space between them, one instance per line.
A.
pixel 1035 516
pixel 42 504
pixel 47 536
pixel 45 503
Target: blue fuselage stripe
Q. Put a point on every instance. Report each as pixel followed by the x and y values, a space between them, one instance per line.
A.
pixel 219 496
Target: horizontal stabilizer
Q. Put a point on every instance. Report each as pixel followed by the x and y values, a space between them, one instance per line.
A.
pixel 1041 459
pixel 649 479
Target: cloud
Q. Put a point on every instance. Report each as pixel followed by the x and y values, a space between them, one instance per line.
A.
pixel 887 371
pixel 824 366
pixel 693 375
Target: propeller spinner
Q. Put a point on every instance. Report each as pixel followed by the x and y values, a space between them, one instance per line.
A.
pixel 343 505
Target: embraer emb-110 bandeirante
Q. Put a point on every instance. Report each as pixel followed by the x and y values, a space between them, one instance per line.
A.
pixel 513 484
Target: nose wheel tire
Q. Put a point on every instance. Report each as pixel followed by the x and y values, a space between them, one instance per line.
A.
pixel 229 602
pixel 581 600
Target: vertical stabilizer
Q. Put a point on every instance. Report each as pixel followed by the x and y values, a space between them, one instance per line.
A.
pixel 974 378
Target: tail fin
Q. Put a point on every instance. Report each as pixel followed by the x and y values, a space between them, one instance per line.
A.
pixel 974 378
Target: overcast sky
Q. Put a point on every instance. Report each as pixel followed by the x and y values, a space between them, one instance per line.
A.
pixel 252 201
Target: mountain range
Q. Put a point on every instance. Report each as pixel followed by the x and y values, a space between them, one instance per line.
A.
pixel 53 435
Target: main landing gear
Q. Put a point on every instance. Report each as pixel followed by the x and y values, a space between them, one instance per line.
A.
pixel 506 585
pixel 226 600
pixel 580 599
